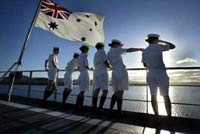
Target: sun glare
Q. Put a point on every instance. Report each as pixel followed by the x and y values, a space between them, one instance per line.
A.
pixel 167 59
pixel 161 105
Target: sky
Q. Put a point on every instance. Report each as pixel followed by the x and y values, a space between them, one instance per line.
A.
pixel 176 21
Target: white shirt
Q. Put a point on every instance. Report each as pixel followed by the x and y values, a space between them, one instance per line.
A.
pixel 115 58
pixel 82 62
pixel 53 58
pixel 99 59
pixel 72 65
pixel 153 57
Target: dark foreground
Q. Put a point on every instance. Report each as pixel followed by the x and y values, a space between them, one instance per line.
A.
pixel 25 116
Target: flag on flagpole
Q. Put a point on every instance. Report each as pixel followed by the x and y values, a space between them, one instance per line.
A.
pixel 86 28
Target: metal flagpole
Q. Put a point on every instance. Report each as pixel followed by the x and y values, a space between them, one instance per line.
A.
pixel 23 49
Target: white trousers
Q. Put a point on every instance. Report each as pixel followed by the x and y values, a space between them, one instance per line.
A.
pixel 158 78
pixel 120 79
pixel 84 81
pixel 68 82
pixel 101 79
pixel 52 74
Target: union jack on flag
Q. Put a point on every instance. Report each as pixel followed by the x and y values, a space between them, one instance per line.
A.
pixel 54 10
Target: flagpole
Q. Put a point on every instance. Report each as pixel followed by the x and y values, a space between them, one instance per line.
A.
pixel 23 48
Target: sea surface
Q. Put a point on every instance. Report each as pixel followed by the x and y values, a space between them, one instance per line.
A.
pixel 186 98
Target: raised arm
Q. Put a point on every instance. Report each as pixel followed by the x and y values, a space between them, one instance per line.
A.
pixel 134 49
pixel 171 46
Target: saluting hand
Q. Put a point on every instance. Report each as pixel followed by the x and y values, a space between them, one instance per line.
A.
pixel 162 41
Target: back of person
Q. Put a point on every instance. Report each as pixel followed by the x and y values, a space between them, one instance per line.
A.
pixel 119 73
pixel 82 62
pixel 71 65
pixel 153 56
pixel 99 58
pixel 157 77
pixel 115 58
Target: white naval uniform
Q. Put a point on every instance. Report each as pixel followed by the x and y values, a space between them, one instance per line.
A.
pixel 70 68
pixel 83 78
pixel 119 73
pixel 52 72
pixel 157 75
pixel 100 72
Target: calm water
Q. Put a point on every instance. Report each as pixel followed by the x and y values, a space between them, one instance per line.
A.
pixel 178 94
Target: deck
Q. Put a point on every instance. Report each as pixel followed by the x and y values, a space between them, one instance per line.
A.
pixel 25 116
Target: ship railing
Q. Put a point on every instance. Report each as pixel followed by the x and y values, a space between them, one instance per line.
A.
pixel 191 80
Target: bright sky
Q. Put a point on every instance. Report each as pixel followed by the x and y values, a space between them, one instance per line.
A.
pixel 130 21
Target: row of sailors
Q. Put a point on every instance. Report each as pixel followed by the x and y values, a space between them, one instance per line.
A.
pixel 112 60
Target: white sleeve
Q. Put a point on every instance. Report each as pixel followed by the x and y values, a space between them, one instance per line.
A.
pixel 122 50
pixel 164 47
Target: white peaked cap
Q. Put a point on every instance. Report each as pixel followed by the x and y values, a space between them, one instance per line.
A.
pixel 116 41
pixel 153 35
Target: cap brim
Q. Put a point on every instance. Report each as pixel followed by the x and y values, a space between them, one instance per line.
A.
pixel 110 45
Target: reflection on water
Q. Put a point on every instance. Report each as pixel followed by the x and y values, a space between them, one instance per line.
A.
pixel 178 94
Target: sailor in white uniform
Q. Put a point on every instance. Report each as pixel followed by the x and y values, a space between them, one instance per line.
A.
pixel 119 73
pixel 71 67
pixel 83 79
pixel 100 76
pixel 152 58
pixel 51 65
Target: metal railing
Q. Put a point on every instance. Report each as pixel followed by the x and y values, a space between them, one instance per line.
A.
pixel 184 69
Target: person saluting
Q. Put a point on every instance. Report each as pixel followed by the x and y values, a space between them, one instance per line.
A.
pixel 157 77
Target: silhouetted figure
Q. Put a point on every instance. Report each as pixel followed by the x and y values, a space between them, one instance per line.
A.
pixel 51 65
pixel 100 76
pixel 71 67
pixel 83 79
pixel 152 58
pixel 119 73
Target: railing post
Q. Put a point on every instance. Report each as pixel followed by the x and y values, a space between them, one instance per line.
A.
pixel 147 95
pixel 29 84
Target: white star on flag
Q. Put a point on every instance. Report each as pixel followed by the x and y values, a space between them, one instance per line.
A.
pixel 86 28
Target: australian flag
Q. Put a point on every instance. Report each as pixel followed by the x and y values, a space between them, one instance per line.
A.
pixel 86 28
